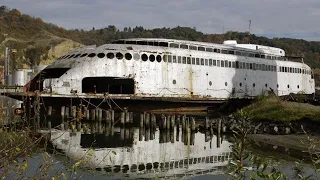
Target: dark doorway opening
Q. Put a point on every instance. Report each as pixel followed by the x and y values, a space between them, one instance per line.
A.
pixel 111 85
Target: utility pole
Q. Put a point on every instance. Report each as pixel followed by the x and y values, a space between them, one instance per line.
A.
pixel 6 65
pixel 249 26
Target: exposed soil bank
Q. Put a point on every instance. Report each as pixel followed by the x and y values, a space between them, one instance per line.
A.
pixel 298 142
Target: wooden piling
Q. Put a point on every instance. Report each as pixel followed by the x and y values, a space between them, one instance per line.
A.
pixel 183 123
pixel 49 117
pixel 164 122
pixel 206 123
pixel 141 120
pixel 147 120
pixel 122 116
pixel 108 116
pixel 86 113
pixel 74 112
pixel 79 118
pixel 193 123
pixel 62 117
pixel 127 117
pixel 131 117
pixel 67 112
pixel 168 122
pixel 178 122
pixel 153 121
pixel 173 121
pixel 112 116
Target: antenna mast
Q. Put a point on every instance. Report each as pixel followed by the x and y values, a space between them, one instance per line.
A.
pixel 249 26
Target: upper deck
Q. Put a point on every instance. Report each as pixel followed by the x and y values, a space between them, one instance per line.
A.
pixel 228 47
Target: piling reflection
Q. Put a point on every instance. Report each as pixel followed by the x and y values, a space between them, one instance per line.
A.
pixel 165 151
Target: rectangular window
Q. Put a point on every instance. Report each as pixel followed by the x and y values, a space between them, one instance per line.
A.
pixel 257 67
pixel 222 63
pixel 198 61
pixel 274 68
pixel 216 50
pixel 237 64
pixel 229 64
pixel 291 70
pixel 188 60
pixel 231 52
pixel 251 55
pixel 263 67
pixel 193 47
pixel 193 60
pixel 210 62
pixel 218 63
pixel 247 66
pixel 174 59
pixel 174 45
pixel 201 48
pixel 226 64
pixel 179 59
pixel 251 66
pixel 257 55
pixel 245 54
pixel 184 46
pixel 206 62
pixel 233 64
pixel 169 58
pixel 202 61
pixel 268 57
pixel 263 56
pixel 238 53
pixel 224 51
pixel 214 62
pixel 254 66
pixel 240 65
pixel 209 49
pixel 184 60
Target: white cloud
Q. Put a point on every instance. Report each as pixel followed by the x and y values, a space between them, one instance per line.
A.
pixel 268 17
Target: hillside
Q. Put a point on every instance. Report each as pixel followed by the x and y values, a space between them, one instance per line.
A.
pixel 37 41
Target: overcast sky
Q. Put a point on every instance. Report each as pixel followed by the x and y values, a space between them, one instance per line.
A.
pixel 271 18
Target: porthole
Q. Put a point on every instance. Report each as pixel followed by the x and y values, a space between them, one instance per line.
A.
pixel 152 58
pixel 226 84
pixel 158 58
pixel 277 85
pixel 266 85
pixel 136 56
pixel 92 55
pixel 288 86
pixel 101 55
pixel 240 84
pixel 298 86
pixel 144 57
pixel 119 56
pixel 254 84
pixel 83 55
pixel 210 83
pixel 128 56
pixel 174 82
pixel 77 55
pixel 110 55
pixel 71 56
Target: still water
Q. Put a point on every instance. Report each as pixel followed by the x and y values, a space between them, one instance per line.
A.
pixel 146 153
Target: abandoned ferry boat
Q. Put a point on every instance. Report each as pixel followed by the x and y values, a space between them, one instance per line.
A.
pixel 172 70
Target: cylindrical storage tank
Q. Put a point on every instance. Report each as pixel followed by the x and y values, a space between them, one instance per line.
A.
pixel 28 75
pixel 18 78
pixel 9 80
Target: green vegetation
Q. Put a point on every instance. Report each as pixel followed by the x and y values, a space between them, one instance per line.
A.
pixel 19 30
pixel 275 109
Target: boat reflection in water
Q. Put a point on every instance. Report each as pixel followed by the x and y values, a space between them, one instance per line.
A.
pixel 146 152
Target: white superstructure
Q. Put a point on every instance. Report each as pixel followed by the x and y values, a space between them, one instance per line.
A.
pixel 145 67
